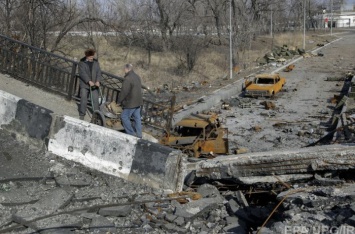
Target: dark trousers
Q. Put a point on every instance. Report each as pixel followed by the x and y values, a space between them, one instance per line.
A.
pixel 84 93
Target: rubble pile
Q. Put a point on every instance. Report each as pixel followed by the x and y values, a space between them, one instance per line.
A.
pixel 280 54
pixel 54 196
pixel 317 209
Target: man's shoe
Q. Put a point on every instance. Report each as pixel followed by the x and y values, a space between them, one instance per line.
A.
pixel 81 117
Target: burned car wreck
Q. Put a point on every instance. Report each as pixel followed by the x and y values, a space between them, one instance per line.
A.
pixel 198 135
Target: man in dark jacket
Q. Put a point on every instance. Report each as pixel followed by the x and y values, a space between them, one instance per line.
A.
pixel 131 99
pixel 90 77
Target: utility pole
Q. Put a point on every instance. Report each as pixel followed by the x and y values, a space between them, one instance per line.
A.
pixel 230 42
pixel 304 24
pixel 331 17
pixel 271 22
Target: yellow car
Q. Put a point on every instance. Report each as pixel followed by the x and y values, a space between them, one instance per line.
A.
pixel 263 85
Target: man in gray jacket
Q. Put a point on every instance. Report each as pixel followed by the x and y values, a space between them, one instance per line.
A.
pixel 131 99
pixel 90 78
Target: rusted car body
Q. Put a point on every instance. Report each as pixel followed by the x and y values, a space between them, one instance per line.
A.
pixel 263 85
pixel 198 135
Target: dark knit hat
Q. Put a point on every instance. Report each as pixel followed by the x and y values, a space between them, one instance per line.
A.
pixel 90 52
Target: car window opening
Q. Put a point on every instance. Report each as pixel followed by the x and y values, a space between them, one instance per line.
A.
pixel 264 81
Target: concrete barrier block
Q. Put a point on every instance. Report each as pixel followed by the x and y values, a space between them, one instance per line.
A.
pixel 156 165
pixel 116 153
pixel 93 146
pixel 8 106
pixel 35 119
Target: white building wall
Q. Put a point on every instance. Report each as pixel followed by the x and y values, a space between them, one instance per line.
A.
pixel 345 21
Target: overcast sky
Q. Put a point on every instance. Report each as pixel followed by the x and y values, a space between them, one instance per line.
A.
pixel 350 3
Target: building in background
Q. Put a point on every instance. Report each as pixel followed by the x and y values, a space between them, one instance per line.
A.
pixel 343 14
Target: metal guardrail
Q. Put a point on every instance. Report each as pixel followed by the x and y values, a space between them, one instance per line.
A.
pixel 59 75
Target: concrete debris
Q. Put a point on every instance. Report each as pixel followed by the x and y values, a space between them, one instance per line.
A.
pixel 268 105
pixel 320 181
pixel 232 207
pixel 101 225
pixel 172 228
pixel 241 151
pixel 79 180
pixel 56 199
pixel 55 223
pixel 210 191
pixel 335 79
pixel 317 208
pixel 197 208
pixel 289 68
pixel 279 55
pixel 116 211
pixel 241 199
pixel 226 106
pixel 257 128
pixel 205 210
pixel 190 195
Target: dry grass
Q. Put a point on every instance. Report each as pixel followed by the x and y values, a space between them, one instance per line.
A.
pixel 212 64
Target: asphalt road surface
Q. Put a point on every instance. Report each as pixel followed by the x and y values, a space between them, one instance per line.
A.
pixel 303 110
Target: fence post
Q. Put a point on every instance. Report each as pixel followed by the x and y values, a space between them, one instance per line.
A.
pixel 72 81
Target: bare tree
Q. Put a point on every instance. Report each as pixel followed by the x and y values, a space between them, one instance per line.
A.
pixel 170 13
pixel 7 11
pixel 217 9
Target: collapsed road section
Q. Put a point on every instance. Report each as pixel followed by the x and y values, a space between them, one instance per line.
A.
pixel 42 193
pixel 273 166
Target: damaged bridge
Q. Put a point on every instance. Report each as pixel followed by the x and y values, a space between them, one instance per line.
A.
pixel 274 166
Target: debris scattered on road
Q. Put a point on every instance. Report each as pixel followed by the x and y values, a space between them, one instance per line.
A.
pixel 289 68
pixel 268 105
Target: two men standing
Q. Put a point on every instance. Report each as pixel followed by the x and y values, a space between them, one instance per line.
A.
pixel 130 97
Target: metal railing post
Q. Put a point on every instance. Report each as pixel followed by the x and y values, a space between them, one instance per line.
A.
pixel 72 81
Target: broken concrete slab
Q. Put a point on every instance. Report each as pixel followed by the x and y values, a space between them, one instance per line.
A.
pixel 351 221
pixel 172 228
pixel 197 208
pixel 60 224
pixel 102 225
pixel 241 198
pixel 210 191
pixel 77 180
pixel 57 231
pixel 170 217
pixel 180 221
pixel 232 207
pixel 18 196
pixel 116 211
pixel 346 190
pixel 297 161
pixel 272 179
pixel 320 181
pixel 235 228
pixel 54 200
